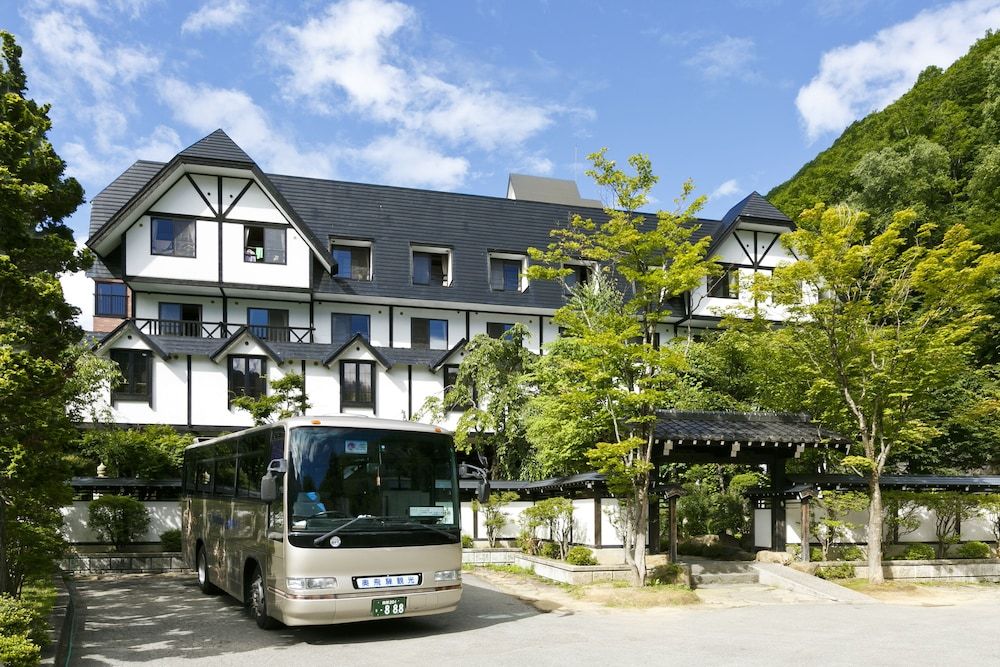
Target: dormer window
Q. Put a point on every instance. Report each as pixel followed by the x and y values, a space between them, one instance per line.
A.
pixel 507 273
pixel 172 237
pixel 726 285
pixel 430 266
pixel 351 260
pixel 264 244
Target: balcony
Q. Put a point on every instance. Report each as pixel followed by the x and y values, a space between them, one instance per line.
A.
pixel 221 330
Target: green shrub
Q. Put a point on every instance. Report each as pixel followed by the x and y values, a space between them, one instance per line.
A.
pixel 580 555
pixel 19 651
pixel 528 543
pixel 16 617
pixel 815 554
pixel 119 520
pixel 170 540
pixel 550 550
pixel 974 550
pixel 839 571
pixel 467 542
pixel 668 573
pixel 919 552
pixel 851 553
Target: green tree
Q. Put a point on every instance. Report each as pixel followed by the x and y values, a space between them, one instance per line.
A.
pixel 989 505
pixel 834 525
pixel 893 321
pixel 606 368
pixel 37 333
pixel 554 514
pixel 287 399
pixel 950 509
pixel 152 452
pixel 493 515
pixel 492 390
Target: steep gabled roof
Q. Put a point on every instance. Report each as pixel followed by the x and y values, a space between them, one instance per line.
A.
pixel 363 342
pixel 128 326
pixel 756 207
pixel 441 360
pixel 216 146
pixel 244 330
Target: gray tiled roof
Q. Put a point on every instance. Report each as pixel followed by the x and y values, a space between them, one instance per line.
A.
pixel 216 146
pixel 754 206
pixel 744 427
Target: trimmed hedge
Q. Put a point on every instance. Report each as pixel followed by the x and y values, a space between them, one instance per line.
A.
pixel 580 555
pixel 170 540
pixel 19 651
pixel 974 550
pixel 918 552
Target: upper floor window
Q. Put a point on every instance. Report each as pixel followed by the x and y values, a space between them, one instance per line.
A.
pixel 180 319
pixel 430 266
pixel 264 244
pixel 247 376
pixel 351 261
pixel 580 274
pixel 173 237
pixel 428 334
pixel 726 285
pixel 136 367
pixel 269 323
pixel 506 273
pixel 450 382
pixel 346 326
pixel 357 384
pixel 110 300
pixel 497 329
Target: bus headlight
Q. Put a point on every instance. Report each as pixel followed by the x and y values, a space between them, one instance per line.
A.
pixel 310 583
pixel 448 575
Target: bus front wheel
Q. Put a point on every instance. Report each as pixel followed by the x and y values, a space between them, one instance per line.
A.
pixel 201 567
pixel 257 601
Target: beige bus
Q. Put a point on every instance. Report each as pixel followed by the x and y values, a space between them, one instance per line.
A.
pixel 326 520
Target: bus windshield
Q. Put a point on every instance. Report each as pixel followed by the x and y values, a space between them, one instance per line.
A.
pixel 371 479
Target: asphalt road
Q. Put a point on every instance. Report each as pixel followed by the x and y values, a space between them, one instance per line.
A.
pixel 165 620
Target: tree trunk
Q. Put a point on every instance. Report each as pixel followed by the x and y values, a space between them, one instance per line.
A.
pixel 640 516
pixel 875 531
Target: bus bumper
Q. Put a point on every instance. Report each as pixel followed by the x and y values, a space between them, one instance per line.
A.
pixel 323 611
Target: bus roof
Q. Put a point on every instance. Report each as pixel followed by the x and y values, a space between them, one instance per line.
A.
pixel 355 421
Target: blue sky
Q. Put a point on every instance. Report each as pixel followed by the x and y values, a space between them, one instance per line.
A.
pixel 735 94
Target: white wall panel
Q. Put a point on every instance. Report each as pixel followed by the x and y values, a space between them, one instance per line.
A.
pixel 140 261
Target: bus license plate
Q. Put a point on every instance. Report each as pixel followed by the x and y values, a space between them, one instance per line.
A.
pixel 389 606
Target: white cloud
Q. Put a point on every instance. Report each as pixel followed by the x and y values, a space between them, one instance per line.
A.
pixel 205 109
pixel 857 79
pixel 409 161
pixel 729 58
pixel 353 57
pixel 727 189
pixel 215 15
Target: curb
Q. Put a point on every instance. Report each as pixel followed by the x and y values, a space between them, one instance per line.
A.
pixel 72 625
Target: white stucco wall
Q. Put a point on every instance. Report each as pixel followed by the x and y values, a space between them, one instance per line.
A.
pixel 164 515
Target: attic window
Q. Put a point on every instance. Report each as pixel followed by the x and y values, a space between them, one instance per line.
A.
pixel 507 273
pixel 351 260
pixel 430 266
pixel 264 244
pixel 173 237
pixel 726 285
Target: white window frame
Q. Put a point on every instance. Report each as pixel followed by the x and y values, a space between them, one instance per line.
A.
pixel 353 243
pixel 434 250
pixel 522 274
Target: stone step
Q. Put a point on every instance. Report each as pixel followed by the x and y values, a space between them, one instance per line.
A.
pixel 722 567
pixel 724 578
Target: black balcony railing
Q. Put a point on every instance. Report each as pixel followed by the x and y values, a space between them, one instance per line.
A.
pixel 192 329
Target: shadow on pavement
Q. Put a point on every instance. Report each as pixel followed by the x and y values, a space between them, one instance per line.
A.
pixel 155 617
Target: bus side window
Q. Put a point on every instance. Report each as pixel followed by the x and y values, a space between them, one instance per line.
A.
pixel 278 443
pixel 205 472
pixel 252 465
pixel 189 471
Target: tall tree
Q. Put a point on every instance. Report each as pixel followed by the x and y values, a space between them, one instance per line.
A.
pixel 37 333
pixel 608 368
pixel 491 390
pixel 892 321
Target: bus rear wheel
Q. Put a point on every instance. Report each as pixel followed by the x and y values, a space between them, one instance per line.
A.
pixel 201 567
pixel 257 601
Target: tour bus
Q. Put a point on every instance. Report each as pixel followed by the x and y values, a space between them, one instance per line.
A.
pixel 326 520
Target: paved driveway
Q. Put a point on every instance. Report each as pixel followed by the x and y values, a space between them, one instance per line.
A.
pixel 164 620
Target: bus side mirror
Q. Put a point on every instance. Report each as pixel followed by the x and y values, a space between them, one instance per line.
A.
pixel 483 491
pixel 268 488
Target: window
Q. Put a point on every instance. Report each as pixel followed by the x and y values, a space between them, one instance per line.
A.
pixel 357 384
pixel 180 319
pixel 173 237
pixel 347 326
pixel 497 329
pixel 136 367
pixel 505 274
pixel 430 268
pixel 264 244
pixel 110 300
pixel 450 382
pixel 579 276
pixel 725 286
pixel 247 376
pixel 269 324
pixel 428 334
pixel 351 262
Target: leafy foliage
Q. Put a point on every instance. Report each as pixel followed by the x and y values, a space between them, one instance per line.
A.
pixel 152 452
pixel 950 509
pixel 170 540
pixel 580 555
pixel 38 339
pixel 554 514
pixel 974 550
pixel 492 390
pixel 287 399
pixel 494 516
pixel 600 384
pixel 834 526
pixel 119 520
pixel 918 551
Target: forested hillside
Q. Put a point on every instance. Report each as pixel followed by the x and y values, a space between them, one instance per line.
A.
pixel 936 149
